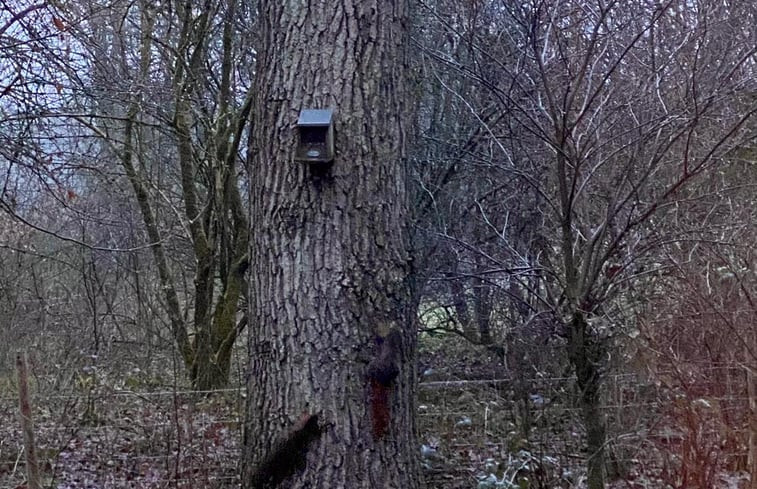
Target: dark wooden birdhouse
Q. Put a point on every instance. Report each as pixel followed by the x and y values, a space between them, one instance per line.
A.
pixel 315 129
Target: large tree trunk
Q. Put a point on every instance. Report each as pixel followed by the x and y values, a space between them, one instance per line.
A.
pixel 330 268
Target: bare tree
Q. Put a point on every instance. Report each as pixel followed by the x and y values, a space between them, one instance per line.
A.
pixel 163 92
pixel 207 153
pixel 609 110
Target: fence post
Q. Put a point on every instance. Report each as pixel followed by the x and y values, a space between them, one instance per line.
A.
pixel 32 468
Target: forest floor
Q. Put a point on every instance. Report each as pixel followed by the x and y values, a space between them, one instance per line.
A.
pixel 128 440
pixel 478 429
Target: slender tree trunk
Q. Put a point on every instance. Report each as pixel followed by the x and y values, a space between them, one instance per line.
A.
pixel 330 267
pixel 27 425
pixel 130 161
pixel 460 303
pixel 483 305
pixel 585 354
pixel 752 394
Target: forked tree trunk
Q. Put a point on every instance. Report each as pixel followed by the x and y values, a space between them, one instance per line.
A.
pixel 218 234
pixel 330 267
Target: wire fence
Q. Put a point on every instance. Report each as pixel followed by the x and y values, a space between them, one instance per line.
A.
pixel 661 431
pixel 509 429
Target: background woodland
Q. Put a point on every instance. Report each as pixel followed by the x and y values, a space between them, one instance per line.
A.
pixel 582 180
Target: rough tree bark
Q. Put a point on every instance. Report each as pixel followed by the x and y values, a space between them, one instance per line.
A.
pixel 330 266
